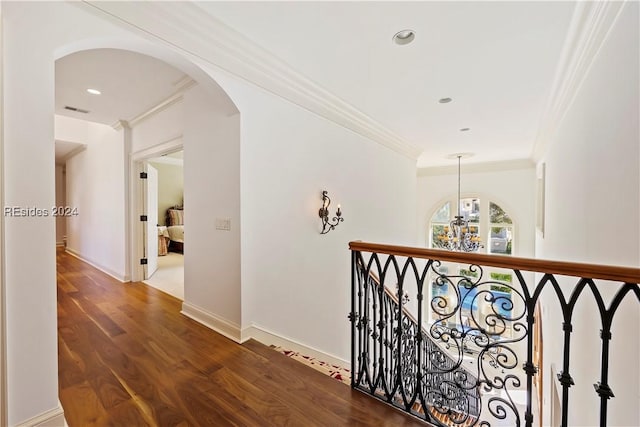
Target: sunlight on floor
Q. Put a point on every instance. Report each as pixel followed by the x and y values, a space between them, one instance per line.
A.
pixel 169 277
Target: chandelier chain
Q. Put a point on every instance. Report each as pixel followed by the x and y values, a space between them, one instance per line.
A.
pixel 459 236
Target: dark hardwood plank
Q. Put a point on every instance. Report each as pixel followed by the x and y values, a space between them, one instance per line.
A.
pixel 328 393
pixel 71 372
pixel 126 414
pixel 232 389
pixel 81 405
pixel 127 357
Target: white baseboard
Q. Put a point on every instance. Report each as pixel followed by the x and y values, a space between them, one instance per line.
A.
pixel 224 327
pixel 51 418
pixel 232 331
pixel 92 263
pixel 269 338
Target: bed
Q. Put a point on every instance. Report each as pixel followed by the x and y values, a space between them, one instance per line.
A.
pixel 175 228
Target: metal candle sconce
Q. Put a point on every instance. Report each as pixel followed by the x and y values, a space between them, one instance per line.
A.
pixel 324 215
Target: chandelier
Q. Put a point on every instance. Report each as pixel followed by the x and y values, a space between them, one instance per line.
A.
pixel 458 235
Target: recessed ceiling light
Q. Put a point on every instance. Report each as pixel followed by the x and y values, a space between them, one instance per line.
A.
pixel 445 100
pixel 465 129
pixel 94 91
pixel 404 37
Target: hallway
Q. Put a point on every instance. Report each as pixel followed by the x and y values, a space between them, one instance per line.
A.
pixel 127 357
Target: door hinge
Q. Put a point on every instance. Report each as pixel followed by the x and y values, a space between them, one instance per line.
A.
pixel 143 261
pixel 143 218
pixel 143 175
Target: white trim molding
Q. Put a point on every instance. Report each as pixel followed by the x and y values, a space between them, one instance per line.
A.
pixel 170 146
pixel 222 326
pixel 233 331
pixel 211 41
pixel 183 85
pixel 119 277
pixel 51 418
pixel 166 160
pixel 500 166
pixel 590 25
pixel 270 338
pixel 135 191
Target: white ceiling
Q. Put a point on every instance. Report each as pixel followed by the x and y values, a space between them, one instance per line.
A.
pixel 130 83
pixel 66 148
pixel 497 60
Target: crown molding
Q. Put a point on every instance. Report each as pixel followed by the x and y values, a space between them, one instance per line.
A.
pixel 120 124
pixel 590 25
pixel 213 42
pixel 169 146
pixel 183 85
pixel 500 166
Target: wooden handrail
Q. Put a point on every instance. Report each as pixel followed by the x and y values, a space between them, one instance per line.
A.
pixel 592 271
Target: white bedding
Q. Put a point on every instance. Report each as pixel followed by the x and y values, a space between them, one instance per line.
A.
pixel 176 232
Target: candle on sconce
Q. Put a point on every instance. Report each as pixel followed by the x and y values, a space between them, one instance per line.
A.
pixel 328 225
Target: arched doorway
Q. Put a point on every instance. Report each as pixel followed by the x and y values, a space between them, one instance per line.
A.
pixel 36 35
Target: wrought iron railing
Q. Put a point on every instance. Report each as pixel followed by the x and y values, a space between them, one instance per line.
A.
pixel 420 357
pixel 390 362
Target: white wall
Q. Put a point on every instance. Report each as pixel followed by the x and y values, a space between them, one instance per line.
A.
pixel 212 191
pixel 211 144
pixel 95 187
pixel 170 187
pixel 34 33
pixel 61 201
pixel 299 290
pixel 512 188
pixel 162 127
pixel 593 215
pixel 29 181
pixel 295 281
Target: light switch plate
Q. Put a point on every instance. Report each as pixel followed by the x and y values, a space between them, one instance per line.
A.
pixel 223 224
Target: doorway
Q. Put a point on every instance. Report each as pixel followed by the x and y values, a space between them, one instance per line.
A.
pixel 157 193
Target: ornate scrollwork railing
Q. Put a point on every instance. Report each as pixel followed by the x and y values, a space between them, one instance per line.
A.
pixel 403 365
pixel 460 358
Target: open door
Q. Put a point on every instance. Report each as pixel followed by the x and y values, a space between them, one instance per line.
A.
pixel 151 234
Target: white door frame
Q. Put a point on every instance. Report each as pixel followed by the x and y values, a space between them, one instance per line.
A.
pixel 151 227
pixel 136 193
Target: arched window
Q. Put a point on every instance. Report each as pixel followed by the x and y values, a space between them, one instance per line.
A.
pixel 501 231
pixel 494 226
pixel 496 229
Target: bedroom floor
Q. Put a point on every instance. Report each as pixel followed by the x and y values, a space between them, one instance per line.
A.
pixel 169 277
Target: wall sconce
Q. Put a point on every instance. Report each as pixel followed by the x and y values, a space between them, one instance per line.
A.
pixel 324 215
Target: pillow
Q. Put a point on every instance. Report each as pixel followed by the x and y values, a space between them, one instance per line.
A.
pixel 176 217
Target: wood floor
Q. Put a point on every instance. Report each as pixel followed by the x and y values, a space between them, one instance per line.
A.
pixel 127 357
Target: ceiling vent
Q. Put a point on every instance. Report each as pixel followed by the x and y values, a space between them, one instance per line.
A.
pixel 77 110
